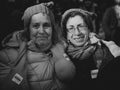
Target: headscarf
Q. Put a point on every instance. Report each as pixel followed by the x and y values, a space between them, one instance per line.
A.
pixel 40 8
pixel 85 13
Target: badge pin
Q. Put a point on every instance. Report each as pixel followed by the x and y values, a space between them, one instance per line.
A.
pixel 94 73
pixel 17 78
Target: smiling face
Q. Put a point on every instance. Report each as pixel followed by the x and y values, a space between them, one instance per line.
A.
pixel 40 29
pixel 78 32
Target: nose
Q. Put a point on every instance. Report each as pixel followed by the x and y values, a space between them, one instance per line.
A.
pixel 41 29
pixel 77 31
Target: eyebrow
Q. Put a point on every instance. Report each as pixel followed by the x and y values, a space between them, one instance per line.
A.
pixel 77 25
pixel 70 25
pixel 47 24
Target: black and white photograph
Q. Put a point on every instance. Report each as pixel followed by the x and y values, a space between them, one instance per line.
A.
pixel 60 45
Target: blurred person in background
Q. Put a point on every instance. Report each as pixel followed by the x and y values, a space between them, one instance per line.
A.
pixel 111 23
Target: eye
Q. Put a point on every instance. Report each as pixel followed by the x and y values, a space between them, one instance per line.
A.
pixel 36 26
pixel 81 26
pixel 46 25
pixel 70 29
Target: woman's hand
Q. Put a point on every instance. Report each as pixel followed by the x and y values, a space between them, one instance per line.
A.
pixel 94 39
pixel 114 49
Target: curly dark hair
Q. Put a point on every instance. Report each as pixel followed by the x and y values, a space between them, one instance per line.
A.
pixel 87 19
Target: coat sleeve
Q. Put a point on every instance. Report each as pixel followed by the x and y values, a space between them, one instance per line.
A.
pixel 6 57
pixel 4 68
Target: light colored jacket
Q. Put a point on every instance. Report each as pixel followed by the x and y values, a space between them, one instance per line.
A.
pixel 15 71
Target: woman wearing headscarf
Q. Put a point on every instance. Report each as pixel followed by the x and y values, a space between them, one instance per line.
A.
pixel 34 58
pixel 84 48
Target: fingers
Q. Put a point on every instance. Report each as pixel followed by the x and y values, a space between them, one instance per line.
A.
pixel 105 42
pixel 93 38
pixel 108 43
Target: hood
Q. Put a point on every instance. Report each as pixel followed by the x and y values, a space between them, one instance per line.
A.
pixel 85 13
pixel 13 39
pixel 40 8
pixel 87 17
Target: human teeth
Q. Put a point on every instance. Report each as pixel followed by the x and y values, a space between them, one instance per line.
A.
pixel 76 38
pixel 79 38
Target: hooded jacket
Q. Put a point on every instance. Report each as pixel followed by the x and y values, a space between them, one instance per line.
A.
pixel 14 67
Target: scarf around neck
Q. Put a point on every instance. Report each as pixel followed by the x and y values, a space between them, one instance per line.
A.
pixel 80 52
pixel 31 46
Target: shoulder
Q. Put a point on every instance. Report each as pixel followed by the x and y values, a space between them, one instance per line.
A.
pixel 109 11
pixel 10 46
pixel 8 55
pixel 104 53
pixel 13 39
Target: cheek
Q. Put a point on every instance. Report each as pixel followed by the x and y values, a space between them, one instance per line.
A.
pixel 33 31
pixel 85 32
pixel 49 32
pixel 86 36
pixel 70 36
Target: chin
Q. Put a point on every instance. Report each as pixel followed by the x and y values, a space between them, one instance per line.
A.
pixel 79 44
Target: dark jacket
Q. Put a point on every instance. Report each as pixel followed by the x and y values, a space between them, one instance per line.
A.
pixel 14 70
pixel 110 75
pixel 83 79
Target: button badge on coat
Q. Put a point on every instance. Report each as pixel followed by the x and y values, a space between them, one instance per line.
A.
pixel 94 73
pixel 17 78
